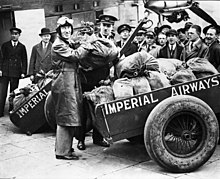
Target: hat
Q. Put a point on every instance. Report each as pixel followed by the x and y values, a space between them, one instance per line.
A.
pixel 164 26
pixel 150 34
pixel 183 30
pixel 142 31
pixel 64 21
pixel 188 25
pixel 15 29
pixel 44 31
pixel 123 27
pixel 107 19
pixel 171 32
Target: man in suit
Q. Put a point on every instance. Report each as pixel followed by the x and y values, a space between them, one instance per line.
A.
pixel 172 49
pixel 124 32
pixel 195 47
pixel 41 55
pixel 214 47
pixel 13 66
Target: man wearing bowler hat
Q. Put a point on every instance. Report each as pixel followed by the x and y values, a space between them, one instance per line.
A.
pixel 124 32
pixel 13 66
pixel 107 26
pixel 40 60
pixel 172 49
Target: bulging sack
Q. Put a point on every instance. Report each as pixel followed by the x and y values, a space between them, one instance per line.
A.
pixel 140 85
pixel 169 66
pixel 182 76
pixel 201 67
pixel 103 52
pixel 157 80
pixel 133 65
pixel 122 88
pixel 100 95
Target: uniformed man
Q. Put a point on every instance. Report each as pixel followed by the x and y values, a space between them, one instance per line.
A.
pixel 140 39
pixel 124 32
pixel 13 66
pixel 107 26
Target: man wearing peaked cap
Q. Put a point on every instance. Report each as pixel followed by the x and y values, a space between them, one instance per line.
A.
pixel 40 60
pixel 140 39
pixel 107 26
pixel 13 66
pixel 124 32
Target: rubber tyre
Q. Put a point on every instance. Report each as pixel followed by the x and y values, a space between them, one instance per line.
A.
pixel 195 125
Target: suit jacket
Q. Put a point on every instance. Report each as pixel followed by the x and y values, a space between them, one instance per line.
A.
pixel 214 54
pixel 165 52
pixel 200 50
pixel 40 60
pixel 131 49
pixel 14 60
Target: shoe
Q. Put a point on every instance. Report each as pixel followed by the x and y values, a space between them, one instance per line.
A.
pixel 67 157
pixel 81 145
pixel 102 143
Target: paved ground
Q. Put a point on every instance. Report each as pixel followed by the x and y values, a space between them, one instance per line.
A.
pixel 30 157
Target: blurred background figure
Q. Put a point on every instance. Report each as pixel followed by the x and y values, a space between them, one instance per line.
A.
pixel 124 32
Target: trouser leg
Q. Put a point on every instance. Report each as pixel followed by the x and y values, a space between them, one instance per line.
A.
pixel 96 136
pixel 64 140
pixel 3 93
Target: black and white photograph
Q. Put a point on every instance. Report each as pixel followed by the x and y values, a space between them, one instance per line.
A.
pixel 109 89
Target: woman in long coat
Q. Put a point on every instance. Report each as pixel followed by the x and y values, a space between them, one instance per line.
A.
pixel 66 88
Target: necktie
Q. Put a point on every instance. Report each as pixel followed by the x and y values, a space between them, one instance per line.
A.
pixel 171 50
pixel 14 44
pixel 191 46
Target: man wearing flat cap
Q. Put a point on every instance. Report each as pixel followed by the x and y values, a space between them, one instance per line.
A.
pixel 40 61
pixel 172 49
pixel 13 66
pixel 107 26
pixel 124 32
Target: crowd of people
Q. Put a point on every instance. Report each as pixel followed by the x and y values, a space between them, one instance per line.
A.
pixel 64 57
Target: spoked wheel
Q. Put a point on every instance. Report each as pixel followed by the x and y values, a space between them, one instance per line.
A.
pixel 184 134
pixel 181 133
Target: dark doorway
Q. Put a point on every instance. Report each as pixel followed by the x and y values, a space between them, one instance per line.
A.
pixel 6 22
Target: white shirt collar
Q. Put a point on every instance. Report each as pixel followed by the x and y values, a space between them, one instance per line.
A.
pixel 172 46
pixel 14 43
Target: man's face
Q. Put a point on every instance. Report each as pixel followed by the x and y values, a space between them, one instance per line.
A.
pixel 124 34
pixel 193 36
pixel 45 38
pixel 162 39
pixel 172 39
pixel 140 37
pixel 211 36
pixel 15 35
pixel 150 39
pixel 65 31
pixel 182 36
pixel 106 28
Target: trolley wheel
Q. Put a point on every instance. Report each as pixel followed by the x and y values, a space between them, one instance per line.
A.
pixel 181 133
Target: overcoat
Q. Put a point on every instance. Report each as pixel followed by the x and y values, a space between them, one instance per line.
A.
pixel 66 86
pixel 14 61
pixel 200 50
pixel 131 49
pixel 40 60
pixel 214 54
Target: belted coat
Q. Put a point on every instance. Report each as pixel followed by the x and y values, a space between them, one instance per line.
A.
pixel 66 86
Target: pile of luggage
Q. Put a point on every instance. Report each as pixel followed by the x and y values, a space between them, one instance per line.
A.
pixel 20 95
pixel 142 73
